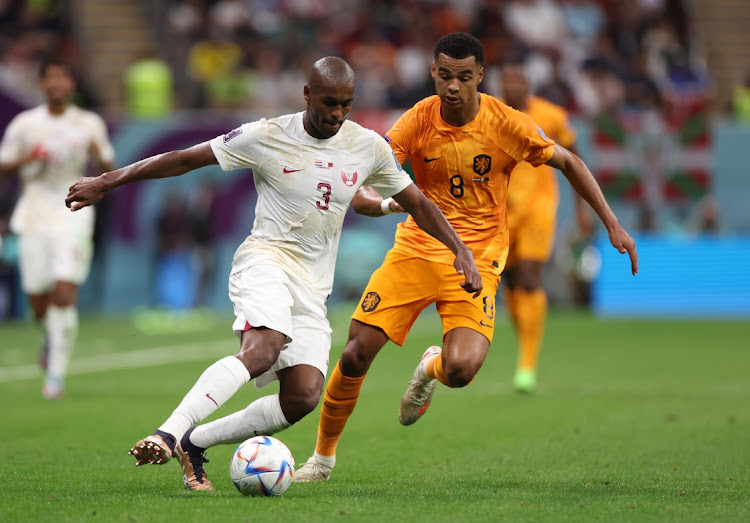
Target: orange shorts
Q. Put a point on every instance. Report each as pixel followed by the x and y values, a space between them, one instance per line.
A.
pixel 404 285
pixel 531 229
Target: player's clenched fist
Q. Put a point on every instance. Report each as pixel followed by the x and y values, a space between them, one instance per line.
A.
pixel 465 265
pixel 85 192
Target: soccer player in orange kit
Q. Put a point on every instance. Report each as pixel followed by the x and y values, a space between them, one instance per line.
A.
pixel 463 146
pixel 532 202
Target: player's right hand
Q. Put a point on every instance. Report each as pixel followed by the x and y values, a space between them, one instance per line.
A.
pixel 464 264
pixel 622 241
pixel 85 192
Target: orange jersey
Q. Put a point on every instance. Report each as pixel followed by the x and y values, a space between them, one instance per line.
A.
pixel 464 171
pixel 529 183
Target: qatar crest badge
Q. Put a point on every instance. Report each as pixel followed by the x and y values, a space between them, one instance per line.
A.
pixel 349 176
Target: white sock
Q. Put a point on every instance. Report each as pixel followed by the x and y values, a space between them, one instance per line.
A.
pixel 262 417
pixel 216 385
pixel 326 461
pixel 62 326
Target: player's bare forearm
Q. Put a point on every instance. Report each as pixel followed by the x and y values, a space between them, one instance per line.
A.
pixel 87 191
pixel 173 163
pixel 583 182
pixel 429 218
pixel 368 202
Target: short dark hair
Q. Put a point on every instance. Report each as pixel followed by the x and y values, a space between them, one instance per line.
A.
pixel 54 62
pixel 460 45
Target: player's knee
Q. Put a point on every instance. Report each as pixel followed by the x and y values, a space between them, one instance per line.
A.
pixel 356 359
pixel 460 374
pixel 529 276
pixel 531 282
pixel 298 404
pixel 259 350
pixel 258 360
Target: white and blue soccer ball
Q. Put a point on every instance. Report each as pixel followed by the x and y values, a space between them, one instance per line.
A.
pixel 262 466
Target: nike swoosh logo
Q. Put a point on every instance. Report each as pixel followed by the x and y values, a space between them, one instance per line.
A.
pixel 287 170
pixel 209 397
pixel 483 324
pixel 428 160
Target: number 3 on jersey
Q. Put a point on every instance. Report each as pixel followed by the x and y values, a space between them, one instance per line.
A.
pixel 325 188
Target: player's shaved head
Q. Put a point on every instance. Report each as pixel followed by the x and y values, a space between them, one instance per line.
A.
pixel 329 94
pixel 330 71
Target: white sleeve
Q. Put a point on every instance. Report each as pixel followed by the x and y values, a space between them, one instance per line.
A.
pixel 241 148
pixel 12 145
pixel 387 176
pixel 101 139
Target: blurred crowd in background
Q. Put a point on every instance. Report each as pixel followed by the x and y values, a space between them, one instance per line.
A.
pixel 587 55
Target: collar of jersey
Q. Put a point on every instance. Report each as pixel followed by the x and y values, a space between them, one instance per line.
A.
pixel 442 125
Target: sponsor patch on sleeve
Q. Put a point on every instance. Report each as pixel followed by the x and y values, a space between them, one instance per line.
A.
pixel 232 134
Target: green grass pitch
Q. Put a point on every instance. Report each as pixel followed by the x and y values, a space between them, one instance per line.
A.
pixel 633 421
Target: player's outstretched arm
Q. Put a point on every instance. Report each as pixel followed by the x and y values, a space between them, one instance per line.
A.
pixel 88 191
pixel 584 184
pixel 368 202
pixel 431 220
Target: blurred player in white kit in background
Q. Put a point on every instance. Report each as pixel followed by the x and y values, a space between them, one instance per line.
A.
pixel 49 147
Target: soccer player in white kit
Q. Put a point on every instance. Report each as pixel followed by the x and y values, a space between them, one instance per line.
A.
pixel 307 168
pixel 49 147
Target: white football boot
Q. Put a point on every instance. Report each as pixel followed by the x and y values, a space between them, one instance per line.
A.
pixel 314 470
pixel 418 395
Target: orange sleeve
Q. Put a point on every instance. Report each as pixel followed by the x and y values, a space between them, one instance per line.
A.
pixel 403 136
pixel 526 141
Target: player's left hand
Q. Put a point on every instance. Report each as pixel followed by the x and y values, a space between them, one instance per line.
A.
pixel 394 206
pixel 464 264
pixel 85 192
pixel 622 241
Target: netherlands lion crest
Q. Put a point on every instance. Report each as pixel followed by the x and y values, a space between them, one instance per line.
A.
pixel 371 301
pixel 349 176
pixel 482 164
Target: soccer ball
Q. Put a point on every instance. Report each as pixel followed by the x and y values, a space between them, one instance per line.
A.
pixel 262 466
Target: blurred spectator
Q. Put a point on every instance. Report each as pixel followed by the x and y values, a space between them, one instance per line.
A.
pixel 213 59
pixel 148 88
pixel 174 281
pixel 705 217
pixel 201 217
pixel 741 101
pixel 536 23
pixel 584 18
pixel 598 88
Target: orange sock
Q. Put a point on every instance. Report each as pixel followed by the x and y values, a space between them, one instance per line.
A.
pixel 509 297
pixel 529 317
pixel 339 401
pixel 435 370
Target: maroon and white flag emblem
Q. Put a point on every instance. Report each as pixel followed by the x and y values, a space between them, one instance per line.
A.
pixel 349 176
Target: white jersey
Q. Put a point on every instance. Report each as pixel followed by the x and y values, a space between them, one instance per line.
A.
pixel 67 139
pixel 305 186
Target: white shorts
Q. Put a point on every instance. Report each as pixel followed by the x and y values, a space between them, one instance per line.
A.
pixel 48 258
pixel 268 296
